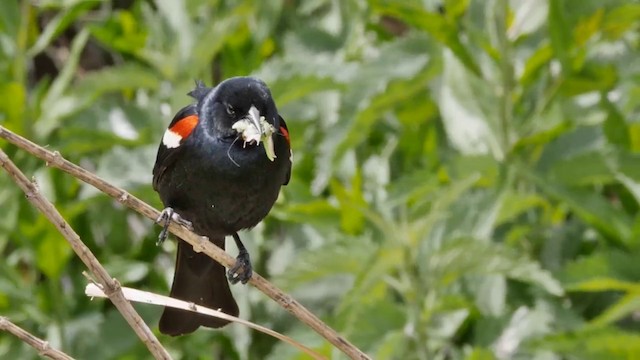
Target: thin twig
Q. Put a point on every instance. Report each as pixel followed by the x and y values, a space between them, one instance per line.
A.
pixel 110 285
pixel 35 342
pixel 199 243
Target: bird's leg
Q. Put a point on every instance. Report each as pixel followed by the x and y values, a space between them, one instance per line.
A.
pixel 166 217
pixel 242 270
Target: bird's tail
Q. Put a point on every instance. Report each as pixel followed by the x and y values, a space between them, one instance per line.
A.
pixel 201 280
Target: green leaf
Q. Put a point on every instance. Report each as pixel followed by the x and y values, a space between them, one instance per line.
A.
pixel 136 171
pixel 375 320
pixel 615 127
pixel 438 26
pixel 352 204
pixel 480 354
pixel 362 125
pixel 528 17
pixel 13 100
pixel 592 77
pixel 429 210
pixel 631 185
pixel 490 294
pixel 211 38
pixel 468 111
pixel 452 261
pixel 345 257
pixel 53 253
pixel 401 60
pixel 591 208
pixel 446 324
pixel 391 345
pixel 126 270
pixel 524 324
pixel 122 32
pixel 604 284
pixel 536 64
pixel 58 24
pixel 126 77
pixel 591 168
pixel 625 307
pixel 602 343
pixel 320 212
pixel 620 20
pixel 175 14
pixel 10 18
pixel 607 263
pixel 515 204
pixel 290 89
pixel 56 108
pixel 560 34
pixel 580 141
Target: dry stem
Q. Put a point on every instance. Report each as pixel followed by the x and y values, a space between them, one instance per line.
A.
pixel 110 285
pixel 35 342
pixel 146 297
pixel 199 242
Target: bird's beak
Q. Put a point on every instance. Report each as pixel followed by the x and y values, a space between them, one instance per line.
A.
pixel 254 117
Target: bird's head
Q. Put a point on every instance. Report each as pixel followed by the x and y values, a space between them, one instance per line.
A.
pixel 239 107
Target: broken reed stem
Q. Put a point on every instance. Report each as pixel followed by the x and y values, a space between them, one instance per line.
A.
pixel 35 342
pixel 110 285
pixel 145 297
pixel 200 243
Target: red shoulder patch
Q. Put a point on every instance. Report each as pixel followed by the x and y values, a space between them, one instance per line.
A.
pixel 185 126
pixel 285 133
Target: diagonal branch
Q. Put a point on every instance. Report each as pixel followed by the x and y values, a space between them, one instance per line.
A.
pixel 200 243
pixel 111 286
pixel 35 342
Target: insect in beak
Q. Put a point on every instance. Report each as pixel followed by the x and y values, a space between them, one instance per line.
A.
pixel 253 129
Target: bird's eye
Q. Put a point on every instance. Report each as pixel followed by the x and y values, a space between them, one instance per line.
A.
pixel 230 110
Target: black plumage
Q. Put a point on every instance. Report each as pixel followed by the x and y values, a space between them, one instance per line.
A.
pixel 208 175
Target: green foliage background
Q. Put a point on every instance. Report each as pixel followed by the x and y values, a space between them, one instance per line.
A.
pixel 466 174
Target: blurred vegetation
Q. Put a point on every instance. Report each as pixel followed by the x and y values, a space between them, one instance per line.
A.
pixel 466 180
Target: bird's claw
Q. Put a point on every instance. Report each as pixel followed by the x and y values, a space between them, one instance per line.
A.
pixel 166 217
pixel 242 270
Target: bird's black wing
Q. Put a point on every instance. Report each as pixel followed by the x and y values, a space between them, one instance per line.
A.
pixel 181 125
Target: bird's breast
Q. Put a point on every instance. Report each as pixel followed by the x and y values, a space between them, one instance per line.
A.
pixel 226 187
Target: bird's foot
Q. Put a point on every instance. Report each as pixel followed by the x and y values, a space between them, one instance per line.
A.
pixel 166 217
pixel 242 270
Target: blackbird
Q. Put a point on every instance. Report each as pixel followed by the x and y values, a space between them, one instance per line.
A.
pixel 219 169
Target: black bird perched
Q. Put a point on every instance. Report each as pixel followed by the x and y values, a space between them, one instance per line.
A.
pixel 220 166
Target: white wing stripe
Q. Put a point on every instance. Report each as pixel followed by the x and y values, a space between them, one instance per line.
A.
pixel 171 139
